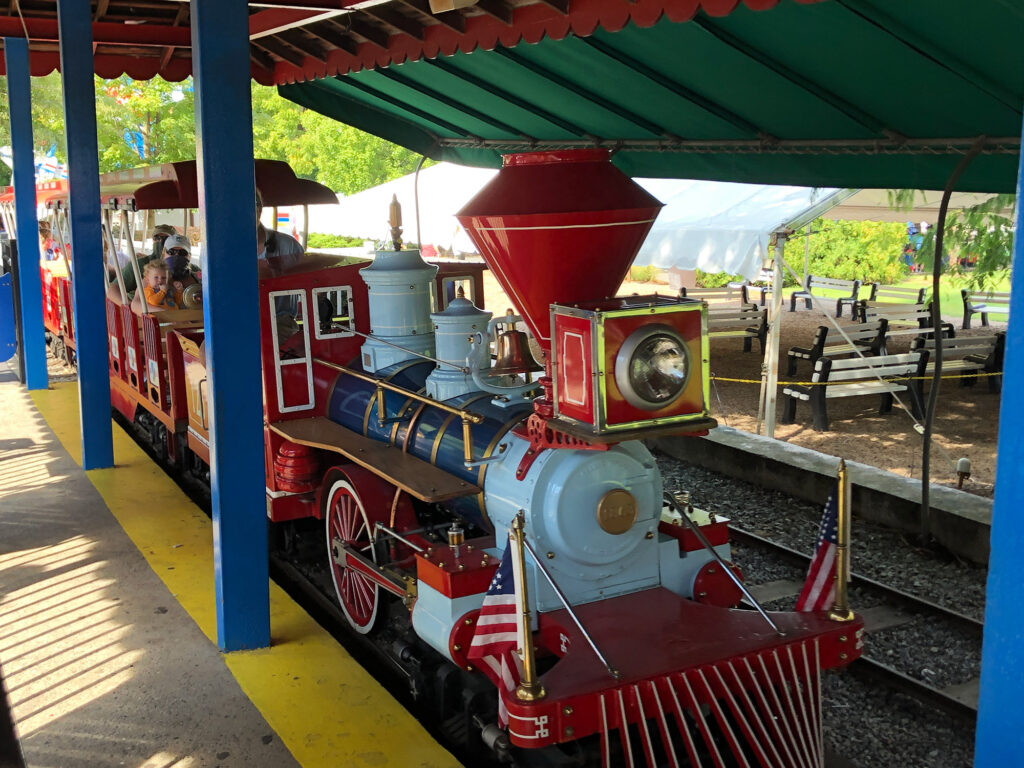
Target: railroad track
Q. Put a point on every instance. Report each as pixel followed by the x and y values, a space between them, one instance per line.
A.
pixel 901 608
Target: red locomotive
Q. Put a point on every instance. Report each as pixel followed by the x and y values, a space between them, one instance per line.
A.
pixel 412 424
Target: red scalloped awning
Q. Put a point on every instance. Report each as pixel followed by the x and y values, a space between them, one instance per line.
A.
pixel 530 24
pixel 160 46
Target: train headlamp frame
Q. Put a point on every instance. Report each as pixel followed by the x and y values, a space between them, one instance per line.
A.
pixel 639 348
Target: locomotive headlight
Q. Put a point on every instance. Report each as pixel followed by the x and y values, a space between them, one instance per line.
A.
pixel 652 367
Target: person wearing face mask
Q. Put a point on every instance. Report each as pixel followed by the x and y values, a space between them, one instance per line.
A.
pixel 176 254
pixel 276 251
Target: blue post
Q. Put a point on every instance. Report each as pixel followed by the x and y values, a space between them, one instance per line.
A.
pixel 30 288
pixel 227 208
pixel 999 737
pixel 88 281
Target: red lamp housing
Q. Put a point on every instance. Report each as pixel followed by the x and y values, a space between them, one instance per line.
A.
pixel 630 363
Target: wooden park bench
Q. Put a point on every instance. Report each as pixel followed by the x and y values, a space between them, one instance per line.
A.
pixel 856 376
pixel 866 338
pixel 747 322
pixel 815 283
pixel 888 294
pixel 970 355
pixel 758 290
pixel 983 302
pixel 716 297
pixel 905 319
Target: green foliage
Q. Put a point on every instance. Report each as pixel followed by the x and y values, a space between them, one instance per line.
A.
pixel 849 250
pixel 978 241
pixel 321 240
pixel 643 274
pixel 716 279
pixel 344 158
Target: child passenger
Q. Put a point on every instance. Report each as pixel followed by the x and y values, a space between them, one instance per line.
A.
pixel 159 294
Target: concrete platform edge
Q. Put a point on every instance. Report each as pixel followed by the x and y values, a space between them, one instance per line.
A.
pixel 323 705
pixel 960 521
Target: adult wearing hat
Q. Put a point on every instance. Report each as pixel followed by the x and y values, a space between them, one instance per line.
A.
pixel 177 253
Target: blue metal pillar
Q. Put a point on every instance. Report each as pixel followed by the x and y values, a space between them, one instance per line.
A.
pixel 30 289
pixel 88 281
pixel 999 739
pixel 227 209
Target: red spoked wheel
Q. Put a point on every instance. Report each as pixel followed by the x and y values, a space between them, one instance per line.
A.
pixel 354 500
pixel 349 526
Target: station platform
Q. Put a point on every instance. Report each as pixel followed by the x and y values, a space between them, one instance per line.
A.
pixel 108 628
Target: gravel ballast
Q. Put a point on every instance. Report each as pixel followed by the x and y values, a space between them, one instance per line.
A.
pixel 864 722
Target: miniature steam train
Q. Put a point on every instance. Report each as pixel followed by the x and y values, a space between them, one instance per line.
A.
pixel 387 419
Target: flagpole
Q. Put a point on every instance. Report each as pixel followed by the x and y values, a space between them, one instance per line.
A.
pixel 529 688
pixel 841 611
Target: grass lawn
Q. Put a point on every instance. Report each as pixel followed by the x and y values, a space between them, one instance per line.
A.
pixel 949 294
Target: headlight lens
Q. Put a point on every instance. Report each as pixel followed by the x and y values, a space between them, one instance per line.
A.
pixel 658 369
pixel 652 367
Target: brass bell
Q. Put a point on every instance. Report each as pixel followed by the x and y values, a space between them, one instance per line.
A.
pixel 513 353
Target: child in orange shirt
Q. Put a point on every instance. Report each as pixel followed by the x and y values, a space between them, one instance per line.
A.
pixel 159 294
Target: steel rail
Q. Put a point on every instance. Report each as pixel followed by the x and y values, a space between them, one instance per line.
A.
pixel 928 694
pixel 871 668
pixel 856 579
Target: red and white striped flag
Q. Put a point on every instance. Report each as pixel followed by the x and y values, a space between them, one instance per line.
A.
pixel 819 592
pixel 496 639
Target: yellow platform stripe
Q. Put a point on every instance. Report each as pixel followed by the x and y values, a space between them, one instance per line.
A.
pixel 325 707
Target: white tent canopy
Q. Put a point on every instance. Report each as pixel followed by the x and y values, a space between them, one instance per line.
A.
pixel 443 189
pixel 708 225
pixel 723 227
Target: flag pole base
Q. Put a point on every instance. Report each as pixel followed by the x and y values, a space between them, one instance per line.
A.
pixel 844 614
pixel 530 692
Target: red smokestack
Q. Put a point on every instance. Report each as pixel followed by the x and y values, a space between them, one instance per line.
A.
pixel 559 227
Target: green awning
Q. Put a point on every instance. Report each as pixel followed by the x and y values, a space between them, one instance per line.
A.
pixel 843 93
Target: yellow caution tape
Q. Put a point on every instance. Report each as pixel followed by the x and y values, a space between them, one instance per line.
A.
pixel 828 383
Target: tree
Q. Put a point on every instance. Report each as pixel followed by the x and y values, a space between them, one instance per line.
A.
pixel 150 122
pixel 344 158
pixel 144 123
pixel 978 240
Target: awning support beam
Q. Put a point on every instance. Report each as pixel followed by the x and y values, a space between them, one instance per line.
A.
pixel 227 194
pixel 999 740
pixel 88 284
pixel 30 289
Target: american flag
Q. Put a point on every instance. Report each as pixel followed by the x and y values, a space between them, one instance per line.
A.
pixel 496 639
pixel 819 592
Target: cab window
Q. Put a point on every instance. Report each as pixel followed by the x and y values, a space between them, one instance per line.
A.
pixel 332 308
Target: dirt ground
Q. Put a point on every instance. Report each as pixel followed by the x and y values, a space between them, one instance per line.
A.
pixel 965 425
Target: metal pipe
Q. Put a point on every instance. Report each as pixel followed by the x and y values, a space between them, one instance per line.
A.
pixel 112 251
pixel 140 291
pixel 474 418
pixel 65 241
pixel 529 688
pixel 681 502
pixel 841 611
pixel 391 533
pixel 1005 145
pixel 350 329
pixel 305 226
pixel 572 614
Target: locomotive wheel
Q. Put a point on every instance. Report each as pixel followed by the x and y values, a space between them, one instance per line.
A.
pixel 354 499
pixel 348 524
